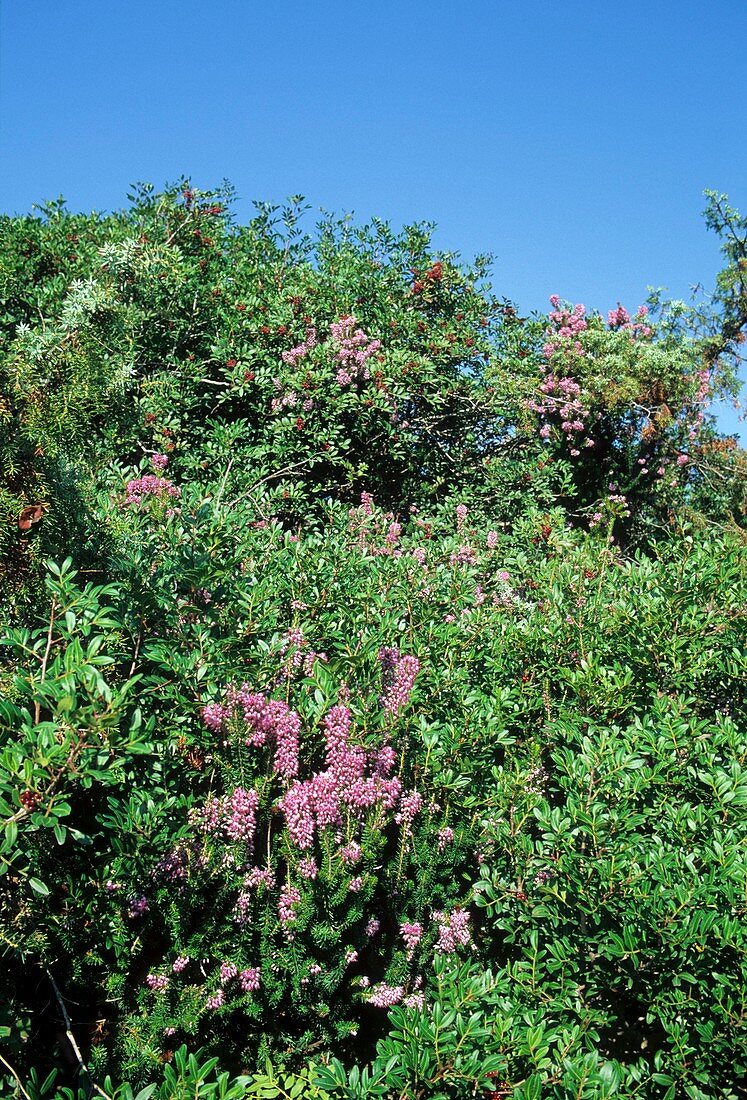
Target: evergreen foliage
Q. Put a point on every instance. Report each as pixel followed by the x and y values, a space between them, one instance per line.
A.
pixel 372 710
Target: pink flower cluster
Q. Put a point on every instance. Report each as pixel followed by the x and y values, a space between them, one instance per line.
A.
pixel 301 655
pixel 564 329
pixel 256 877
pixel 317 803
pixel 463 555
pixel 616 318
pixel 157 982
pixel 351 853
pixel 289 399
pixel 385 996
pixel 289 899
pixel 263 720
pixel 292 357
pixel 159 462
pixel 398 676
pixel 411 934
pixel 228 971
pixel 354 350
pixel 235 814
pixel 249 979
pixel 619 320
pixel 410 805
pixel 149 485
pixel 561 398
pixel 308 868
pixel 453 930
pixel 704 385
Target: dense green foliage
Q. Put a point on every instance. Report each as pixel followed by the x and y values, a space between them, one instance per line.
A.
pixel 372 709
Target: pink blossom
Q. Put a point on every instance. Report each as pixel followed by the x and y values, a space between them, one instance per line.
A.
pixel 140 488
pixel 616 318
pixel 259 877
pixel 351 853
pixel 399 673
pixel 179 963
pixel 240 814
pixel 262 719
pixel 295 354
pixel 307 868
pixel 216 1000
pixel 410 805
pixel 228 970
pixel 249 979
pixel 289 898
pixel 411 934
pixel 354 350
pixel 453 930
pixel 385 996
pixel 157 982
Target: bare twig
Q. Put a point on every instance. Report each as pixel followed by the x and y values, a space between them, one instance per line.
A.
pixel 68 1026
pixel 72 1041
pixel 137 651
pixel 296 468
pixel 45 659
pixel 17 1078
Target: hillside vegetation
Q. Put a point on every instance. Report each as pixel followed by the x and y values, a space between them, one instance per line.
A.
pixel 372 684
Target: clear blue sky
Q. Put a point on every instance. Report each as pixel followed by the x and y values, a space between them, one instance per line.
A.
pixel 571 140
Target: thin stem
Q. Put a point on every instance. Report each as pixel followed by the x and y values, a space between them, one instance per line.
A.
pixel 15 1075
pixel 45 659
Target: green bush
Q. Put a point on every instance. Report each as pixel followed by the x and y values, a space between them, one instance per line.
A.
pixel 369 741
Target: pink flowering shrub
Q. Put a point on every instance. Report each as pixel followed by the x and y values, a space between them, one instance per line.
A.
pixel 147 487
pixel 287 850
pixel 616 402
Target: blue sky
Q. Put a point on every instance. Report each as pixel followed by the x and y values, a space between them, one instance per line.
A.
pixel 572 141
